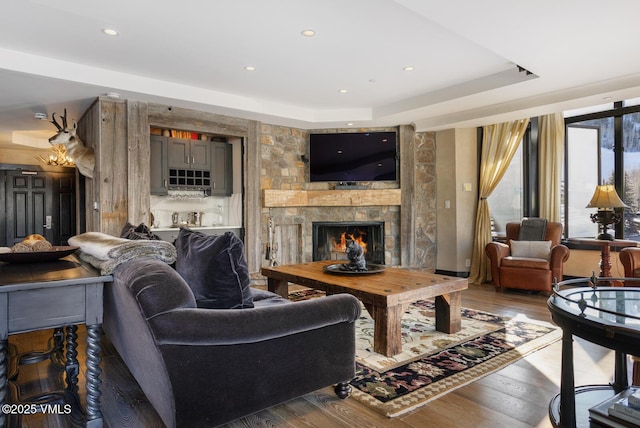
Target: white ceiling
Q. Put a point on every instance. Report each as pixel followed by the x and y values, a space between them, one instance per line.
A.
pixel 192 53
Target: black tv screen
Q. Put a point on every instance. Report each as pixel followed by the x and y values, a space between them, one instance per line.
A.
pixel 353 156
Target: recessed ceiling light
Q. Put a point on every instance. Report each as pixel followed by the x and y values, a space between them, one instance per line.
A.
pixel 109 31
pixel 343 91
pixel 349 123
pixel 113 95
pixel 308 33
pixel 250 68
pixel 409 68
pixel 41 116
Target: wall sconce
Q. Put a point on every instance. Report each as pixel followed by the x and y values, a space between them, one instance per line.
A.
pixel 606 200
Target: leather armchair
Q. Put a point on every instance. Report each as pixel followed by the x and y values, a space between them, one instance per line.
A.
pixel 630 259
pixel 527 273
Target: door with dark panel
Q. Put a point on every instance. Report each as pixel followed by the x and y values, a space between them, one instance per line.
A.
pixel 40 202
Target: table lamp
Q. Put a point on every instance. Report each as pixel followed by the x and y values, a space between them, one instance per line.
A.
pixel 605 199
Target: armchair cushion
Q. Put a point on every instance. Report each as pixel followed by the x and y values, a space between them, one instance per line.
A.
pixel 525 263
pixel 215 268
pixel 531 249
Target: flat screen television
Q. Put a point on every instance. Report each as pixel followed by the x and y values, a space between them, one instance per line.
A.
pixel 353 156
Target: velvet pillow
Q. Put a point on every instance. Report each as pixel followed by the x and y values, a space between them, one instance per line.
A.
pixel 531 249
pixel 215 268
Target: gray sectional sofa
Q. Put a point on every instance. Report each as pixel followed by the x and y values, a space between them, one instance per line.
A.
pixel 202 366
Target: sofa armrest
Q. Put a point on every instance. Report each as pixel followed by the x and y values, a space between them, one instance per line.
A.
pixel 559 255
pixel 194 326
pixel 496 251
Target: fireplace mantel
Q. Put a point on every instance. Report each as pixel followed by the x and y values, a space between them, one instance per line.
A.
pixel 331 198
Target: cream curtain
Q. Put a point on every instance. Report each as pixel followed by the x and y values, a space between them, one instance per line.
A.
pixel 499 144
pixel 550 150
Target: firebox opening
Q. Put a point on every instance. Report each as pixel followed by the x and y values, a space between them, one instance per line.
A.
pixel 330 240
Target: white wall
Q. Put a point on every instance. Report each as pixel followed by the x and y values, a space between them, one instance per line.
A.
pixel 456 197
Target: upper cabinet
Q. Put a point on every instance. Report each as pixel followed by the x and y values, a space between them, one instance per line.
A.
pixel 222 169
pixel 159 166
pixel 179 163
pixel 189 154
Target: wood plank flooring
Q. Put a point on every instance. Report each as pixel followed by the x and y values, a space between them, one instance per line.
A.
pixel 516 396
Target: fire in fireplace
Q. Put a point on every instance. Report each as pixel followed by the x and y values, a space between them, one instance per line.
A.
pixel 330 240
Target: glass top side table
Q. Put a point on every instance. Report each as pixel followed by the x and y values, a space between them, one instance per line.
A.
pixel 607 316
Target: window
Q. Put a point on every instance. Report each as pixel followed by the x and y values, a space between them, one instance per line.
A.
pixel 602 148
pixel 506 200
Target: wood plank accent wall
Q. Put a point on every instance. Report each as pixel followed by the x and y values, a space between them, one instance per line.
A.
pixel 138 162
pixel 408 213
pixel 331 198
pixel 118 130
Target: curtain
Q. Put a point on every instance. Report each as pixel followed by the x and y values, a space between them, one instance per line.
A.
pixel 550 150
pixel 499 144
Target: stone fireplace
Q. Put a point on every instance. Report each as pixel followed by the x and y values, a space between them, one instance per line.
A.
pixel 330 237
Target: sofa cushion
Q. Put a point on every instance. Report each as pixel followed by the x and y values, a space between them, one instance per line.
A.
pixel 533 249
pixel 215 268
pixel 524 263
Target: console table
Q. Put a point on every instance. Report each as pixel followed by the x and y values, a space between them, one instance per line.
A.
pixel 62 293
pixel 607 316
pixel 605 250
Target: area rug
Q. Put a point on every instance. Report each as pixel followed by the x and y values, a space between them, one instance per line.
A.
pixel 433 363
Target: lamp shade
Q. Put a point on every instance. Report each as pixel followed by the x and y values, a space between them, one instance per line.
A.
pixel 606 196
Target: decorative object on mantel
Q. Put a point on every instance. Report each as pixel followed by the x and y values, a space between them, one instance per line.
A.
pixel 606 200
pixel 58 157
pixel 423 371
pixel 82 155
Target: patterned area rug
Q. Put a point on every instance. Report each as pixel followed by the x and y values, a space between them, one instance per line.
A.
pixel 432 363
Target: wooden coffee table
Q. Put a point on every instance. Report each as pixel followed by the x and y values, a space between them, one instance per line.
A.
pixel 385 295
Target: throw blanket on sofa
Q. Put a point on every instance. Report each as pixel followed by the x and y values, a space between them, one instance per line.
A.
pixel 106 252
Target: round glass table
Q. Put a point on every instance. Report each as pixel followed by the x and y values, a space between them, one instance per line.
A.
pixel 608 316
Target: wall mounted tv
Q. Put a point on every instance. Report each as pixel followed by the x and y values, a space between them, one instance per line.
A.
pixel 353 156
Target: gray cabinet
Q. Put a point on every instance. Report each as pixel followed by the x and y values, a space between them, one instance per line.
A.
pixel 159 166
pixel 178 163
pixel 189 154
pixel 222 169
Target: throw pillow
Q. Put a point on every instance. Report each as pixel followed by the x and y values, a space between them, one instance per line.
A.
pixel 215 268
pixel 531 249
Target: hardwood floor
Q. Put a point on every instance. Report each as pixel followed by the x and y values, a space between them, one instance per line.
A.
pixel 516 396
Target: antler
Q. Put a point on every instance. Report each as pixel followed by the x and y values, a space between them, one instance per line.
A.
pixel 64 121
pixel 55 122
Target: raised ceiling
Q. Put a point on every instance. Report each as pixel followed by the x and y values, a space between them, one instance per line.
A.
pixel 193 53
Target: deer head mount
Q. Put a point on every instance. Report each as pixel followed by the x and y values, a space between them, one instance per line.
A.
pixel 82 155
